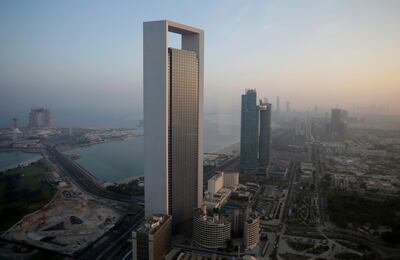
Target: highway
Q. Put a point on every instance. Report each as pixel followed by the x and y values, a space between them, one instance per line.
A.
pixel 293 167
pixel 318 172
pixel 82 178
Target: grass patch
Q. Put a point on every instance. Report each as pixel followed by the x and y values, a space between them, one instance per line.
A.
pixel 22 191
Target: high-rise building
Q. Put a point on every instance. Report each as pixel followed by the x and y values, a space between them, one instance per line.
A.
pixel 277 105
pixel 249 130
pixel 265 134
pixel 338 122
pixel 45 118
pixel 152 239
pixel 287 106
pixel 173 120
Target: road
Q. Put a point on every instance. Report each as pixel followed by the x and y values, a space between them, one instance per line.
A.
pixel 293 167
pixel 84 179
pixel 318 174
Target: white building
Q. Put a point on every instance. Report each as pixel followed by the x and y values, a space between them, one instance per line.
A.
pixel 215 183
pixel 231 180
pixel 251 231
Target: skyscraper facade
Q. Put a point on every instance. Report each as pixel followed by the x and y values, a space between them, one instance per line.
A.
pixel 249 130
pixel 173 120
pixel 265 134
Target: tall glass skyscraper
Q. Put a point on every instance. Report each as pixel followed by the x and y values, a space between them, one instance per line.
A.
pixel 173 121
pixel 249 130
pixel 265 134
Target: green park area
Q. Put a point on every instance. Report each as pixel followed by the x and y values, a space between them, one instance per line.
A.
pixel 22 191
pixel 351 208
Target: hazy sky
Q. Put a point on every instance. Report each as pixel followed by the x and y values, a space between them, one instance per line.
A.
pixel 83 59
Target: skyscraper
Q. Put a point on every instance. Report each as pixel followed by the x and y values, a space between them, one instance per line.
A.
pixel 249 130
pixel 277 105
pixel 338 122
pixel 265 134
pixel 173 120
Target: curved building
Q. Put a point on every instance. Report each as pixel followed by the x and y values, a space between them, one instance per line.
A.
pixel 210 231
pixel 251 231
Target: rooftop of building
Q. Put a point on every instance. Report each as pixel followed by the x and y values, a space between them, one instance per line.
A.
pixel 216 176
pixel 215 218
pixel 153 223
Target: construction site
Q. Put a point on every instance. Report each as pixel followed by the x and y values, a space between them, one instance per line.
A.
pixel 70 222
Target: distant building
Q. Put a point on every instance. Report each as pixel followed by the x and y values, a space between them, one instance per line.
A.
pixel 276 173
pixel 306 173
pixel 210 232
pixel 152 240
pixel 173 120
pixel 265 134
pixel 251 231
pixel 338 122
pixel 215 183
pixel 277 105
pixel 39 113
pixel 249 130
pixel 231 179
pixel 341 182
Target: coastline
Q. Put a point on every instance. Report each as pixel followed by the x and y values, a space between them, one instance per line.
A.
pixel 24 163
pixel 229 150
pixel 66 148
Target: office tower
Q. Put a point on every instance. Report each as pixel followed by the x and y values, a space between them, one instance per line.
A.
pixel 287 106
pixel 277 105
pixel 33 123
pixel 338 122
pixel 15 123
pixel 210 232
pixel 249 130
pixel 315 110
pixel 46 118
pixel 265 134
pixel 152 240
pixel 173 120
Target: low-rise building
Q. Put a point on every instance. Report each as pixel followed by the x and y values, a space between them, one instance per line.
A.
pixel 251 231
pixel 210 232
pixel 215 183
pixel 231 180
pixel 152 239
pixel 216 200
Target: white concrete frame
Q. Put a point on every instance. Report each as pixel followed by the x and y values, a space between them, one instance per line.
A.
pixel 155 97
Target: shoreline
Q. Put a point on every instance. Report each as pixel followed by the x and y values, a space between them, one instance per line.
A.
pixel 65 148
pixel 24 163
pixel 230 150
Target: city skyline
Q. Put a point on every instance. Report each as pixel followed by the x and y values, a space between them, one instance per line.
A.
pixel 133 134
pixel 339 53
